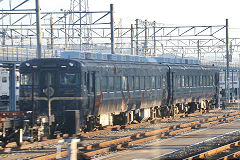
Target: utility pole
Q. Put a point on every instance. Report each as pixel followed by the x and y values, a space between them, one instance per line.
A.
pixel 12 87
pixel 154 38
pixel 132 40
pixel 52 35
pixel 39 34
pixel 146 38
pixel 137 21
pixel 198 50
pixel 227 56
pixel 112 29
pixel 65 30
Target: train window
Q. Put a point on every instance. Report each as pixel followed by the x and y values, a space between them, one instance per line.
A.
pixel 153 82
pixel 110 84
pixel 124 83
pixel 85 78
pixel 204 81
pixel 164 82
pixel 201 81
pixel 212 80
pixel 193 81
pixel 51 78
pixel 137 86
pixel 97 84
pixel 221 77
pixel 142 83
pixel 196 81
pixel 186 81
pixel 147 82
pixel 17 78
pixel 26 79
pixel 65 78
pixel 208 80
pixel 179 81
pixel 190 81
pixel 118 83
pixel 183 81
pixel 130 82
pixel 235 76
pixel 4 79
pixel 104 84
pixel 158 82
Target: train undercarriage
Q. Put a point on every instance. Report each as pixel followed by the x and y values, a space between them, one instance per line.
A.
pixel 19 126
pixel 145 114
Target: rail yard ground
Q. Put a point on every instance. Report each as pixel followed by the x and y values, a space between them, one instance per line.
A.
pixel 178 146
pixel 149 149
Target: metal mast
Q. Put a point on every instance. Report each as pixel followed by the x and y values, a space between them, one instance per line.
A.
pixel 227 57
pixel 84 20
pixel 39 35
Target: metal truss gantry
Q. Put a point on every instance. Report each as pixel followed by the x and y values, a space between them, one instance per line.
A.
pixel 95 31
pixel 71 29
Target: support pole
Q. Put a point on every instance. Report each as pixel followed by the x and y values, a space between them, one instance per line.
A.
pixel 233 91
pixel 65 30
pixel 39 34
pixel 238 88
pixel 227 57
pixel 137 21
pixel 112 29
pixel 52 38
pixel 12 88
pixel 198 49
pixel 146 38
pixel 132 40
pixel 154 38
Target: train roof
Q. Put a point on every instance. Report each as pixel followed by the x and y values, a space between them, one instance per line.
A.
pixel 48 62
pixel 166 58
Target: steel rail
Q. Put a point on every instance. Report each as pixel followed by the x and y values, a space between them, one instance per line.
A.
pixel 216 151
pixel 120 143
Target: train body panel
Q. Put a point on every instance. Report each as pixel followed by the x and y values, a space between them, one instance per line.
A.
pixel 192 84
pixel 4 86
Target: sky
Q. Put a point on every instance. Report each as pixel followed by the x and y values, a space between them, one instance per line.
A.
pixel 176 12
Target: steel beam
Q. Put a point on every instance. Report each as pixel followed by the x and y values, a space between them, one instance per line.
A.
pixel 39 33
pixel 112 29
pixel 227 57
pixel 12 87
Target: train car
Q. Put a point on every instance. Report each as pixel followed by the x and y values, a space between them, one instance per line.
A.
pixel 194 87
pixel 4 86
pixel 233 83
pixel 104 93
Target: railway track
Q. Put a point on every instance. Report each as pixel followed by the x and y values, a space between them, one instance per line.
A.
pixel 13 148
pixel 117 144
pixel 229 151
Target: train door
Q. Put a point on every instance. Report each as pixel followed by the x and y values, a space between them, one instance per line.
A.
pixel 48 83
pixel 91 92
pixel 172 90
pixel 216 83
pixel 169 86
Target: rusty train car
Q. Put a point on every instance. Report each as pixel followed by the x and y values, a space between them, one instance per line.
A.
pixel 74 94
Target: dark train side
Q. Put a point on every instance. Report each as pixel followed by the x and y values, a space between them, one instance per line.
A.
pixel 100 93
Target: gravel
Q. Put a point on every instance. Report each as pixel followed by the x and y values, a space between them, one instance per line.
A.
pixel 203 146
